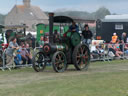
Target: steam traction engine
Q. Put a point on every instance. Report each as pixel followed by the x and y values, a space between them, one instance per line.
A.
pixel 69 50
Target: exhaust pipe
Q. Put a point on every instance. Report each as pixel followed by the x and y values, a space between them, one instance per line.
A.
pixel 51 21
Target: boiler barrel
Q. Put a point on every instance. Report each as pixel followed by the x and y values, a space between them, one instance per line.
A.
pixel 51 48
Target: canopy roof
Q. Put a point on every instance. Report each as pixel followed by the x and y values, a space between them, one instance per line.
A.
pixel 16 26
pixel 1 26
pixel 62 19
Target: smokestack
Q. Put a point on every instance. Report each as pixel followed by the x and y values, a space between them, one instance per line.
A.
pixel 27 3
pixel 51 20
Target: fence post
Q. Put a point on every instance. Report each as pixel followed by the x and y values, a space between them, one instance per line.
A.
pixel 123 51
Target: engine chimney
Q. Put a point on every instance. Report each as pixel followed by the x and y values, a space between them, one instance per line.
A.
pixel 51 20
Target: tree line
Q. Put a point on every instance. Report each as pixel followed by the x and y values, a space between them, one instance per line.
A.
pixel 98 14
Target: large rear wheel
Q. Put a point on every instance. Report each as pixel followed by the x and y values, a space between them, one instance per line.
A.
pixel 1 62
pixel 38 62
pixel 81 57
pixel 59 62
pixel 1 58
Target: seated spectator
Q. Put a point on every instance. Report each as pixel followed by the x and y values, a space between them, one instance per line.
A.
pixel 117 48
pixel 28 47
pixel 18 58
pixel 29 51
pixel 25 55
pixel 98 51
pixel 125 49
pixel 111 49
pixel 41 42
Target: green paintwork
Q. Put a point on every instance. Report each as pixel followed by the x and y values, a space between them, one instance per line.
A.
pixel 75 39
pixel 13 34
pixel 2 40
pixel 42 29
pixel 69 34
pixel 0 30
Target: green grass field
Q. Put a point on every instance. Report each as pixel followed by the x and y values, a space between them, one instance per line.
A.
pixel 102 79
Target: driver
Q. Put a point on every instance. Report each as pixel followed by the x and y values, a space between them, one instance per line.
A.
pixel 56 36
pixel 74 27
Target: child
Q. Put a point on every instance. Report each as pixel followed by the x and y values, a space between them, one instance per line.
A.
pixel 18 58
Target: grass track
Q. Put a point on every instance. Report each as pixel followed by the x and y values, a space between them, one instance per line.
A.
pixel 102 79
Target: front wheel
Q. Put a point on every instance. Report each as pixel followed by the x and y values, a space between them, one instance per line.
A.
pixel 38 62
pixel 81 57
pixel 59 62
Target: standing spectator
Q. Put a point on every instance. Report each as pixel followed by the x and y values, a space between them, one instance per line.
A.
pixel 10 51
pixel 25 55
pixel 124 38
pixel 114 38
pixel 41 42
pixel 74 27
pixel 87 34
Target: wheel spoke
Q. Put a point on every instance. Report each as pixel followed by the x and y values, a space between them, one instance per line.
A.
pixel 81 57
pixel 59 62
pixel 37 55
pixel 78 61
pixel 39 62
pixel 78 56
pixel 85 61
pixel 86 57
pixel 56 59
pixel 86 52
pixel 62 61
pixel 81 63
pixel 60 56
pixel 81 50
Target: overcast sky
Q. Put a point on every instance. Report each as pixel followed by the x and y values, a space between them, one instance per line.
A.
pixel 115 6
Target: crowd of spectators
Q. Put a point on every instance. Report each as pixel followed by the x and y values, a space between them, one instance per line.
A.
pixel 18 54
pixel 118 45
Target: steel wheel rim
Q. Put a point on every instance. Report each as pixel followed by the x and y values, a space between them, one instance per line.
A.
pixel 60 62
pixel 39 61
pixel 83 57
